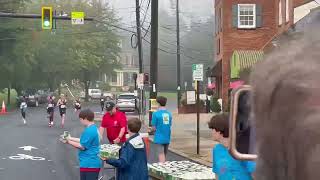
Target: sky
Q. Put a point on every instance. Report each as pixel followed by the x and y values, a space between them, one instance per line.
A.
pixel 199 10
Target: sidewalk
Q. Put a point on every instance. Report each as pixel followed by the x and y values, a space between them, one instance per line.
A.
pixel 184 137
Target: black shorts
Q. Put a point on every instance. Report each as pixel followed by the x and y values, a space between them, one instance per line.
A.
pixel 63 111
pixel 77 107
pixel 89 175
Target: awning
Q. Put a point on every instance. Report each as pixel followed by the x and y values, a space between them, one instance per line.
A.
pixel 243 60
pixel 217 69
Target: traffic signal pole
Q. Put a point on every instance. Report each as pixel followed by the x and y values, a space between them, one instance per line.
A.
pixel 178 57
pixel 154 53
pixel 38 16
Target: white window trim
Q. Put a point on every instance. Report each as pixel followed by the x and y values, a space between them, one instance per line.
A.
pixel 280 13
pixel 254 17
pixel 287 11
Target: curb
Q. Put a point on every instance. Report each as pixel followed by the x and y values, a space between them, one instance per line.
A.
pixel 180 153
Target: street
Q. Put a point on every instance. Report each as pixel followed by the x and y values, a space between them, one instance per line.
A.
pixel 33 151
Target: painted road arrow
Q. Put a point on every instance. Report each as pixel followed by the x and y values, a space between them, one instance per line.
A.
pixel 28 148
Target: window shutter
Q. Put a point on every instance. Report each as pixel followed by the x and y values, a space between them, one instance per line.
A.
pixel 258 15
pixel 235 16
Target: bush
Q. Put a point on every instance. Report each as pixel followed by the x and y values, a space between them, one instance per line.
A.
pixel 215 106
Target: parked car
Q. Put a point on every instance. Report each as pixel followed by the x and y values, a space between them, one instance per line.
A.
pixel 127 102
pixel 95 93
pixel 108 95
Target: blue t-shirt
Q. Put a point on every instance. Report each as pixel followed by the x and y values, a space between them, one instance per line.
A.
pixel 227 168
pixel 89 139
pixel 162 121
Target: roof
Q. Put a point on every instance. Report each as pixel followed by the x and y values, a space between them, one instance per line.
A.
pixel 243 60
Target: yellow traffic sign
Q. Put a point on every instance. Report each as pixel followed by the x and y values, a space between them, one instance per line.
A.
pixel 77 17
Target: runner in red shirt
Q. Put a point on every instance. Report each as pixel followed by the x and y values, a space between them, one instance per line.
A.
pixel 115 122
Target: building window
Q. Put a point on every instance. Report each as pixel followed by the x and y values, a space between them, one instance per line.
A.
pixel 114 77
pixel 247 16
pixel 280 12
pixel 287 11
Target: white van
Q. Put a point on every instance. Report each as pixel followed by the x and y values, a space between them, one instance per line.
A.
pixel 95 93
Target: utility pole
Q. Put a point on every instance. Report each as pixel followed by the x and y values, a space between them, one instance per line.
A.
pixel 139 36
pixel 178 56
pixel 154 53
pixel 141 108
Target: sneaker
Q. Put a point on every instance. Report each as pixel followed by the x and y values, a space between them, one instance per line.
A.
pixel 24 121
pixel 51 123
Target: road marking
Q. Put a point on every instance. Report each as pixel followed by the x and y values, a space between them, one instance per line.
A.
pixel 49 160
pixel 26 157
pixel 4 158
pixel 27 148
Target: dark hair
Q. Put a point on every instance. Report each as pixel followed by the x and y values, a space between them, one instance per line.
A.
pixel 87 114
pixel 220 122
pixel 134 125
pixel 162 100
pixel 286 99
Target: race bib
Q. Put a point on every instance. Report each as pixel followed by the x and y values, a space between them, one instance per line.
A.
pixel 63 106
pixel 102 100
pixel 50 105
pixel 23 104
pixel 166 118
pixel 77 104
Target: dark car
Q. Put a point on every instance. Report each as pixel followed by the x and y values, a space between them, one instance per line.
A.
pixel 31 96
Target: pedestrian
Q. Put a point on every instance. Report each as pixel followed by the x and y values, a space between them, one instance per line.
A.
pixel 102 102
pixel 23 108
pixel 88 146
pixel 161 125
pixel 208 107
pixel 132 162
pixel 115 123
pixel 62 103
pixel 77 106
pixel 50 110
pixel 224 165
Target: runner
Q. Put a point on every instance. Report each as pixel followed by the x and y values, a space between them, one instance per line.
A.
pixel 50 110
pixel 102 102
pixel 23 108
pixel 77 106
pixel 62 103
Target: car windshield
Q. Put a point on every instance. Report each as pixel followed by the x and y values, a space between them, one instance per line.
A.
pixel 126 97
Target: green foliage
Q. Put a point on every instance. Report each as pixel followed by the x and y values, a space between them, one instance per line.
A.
pixel 215 106
pixel 43 59
pixel 4 97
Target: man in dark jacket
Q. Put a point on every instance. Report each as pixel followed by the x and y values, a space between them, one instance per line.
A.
pixel 132 164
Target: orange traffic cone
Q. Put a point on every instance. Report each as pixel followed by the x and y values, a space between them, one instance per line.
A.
pixel 3 108
pixel 145 137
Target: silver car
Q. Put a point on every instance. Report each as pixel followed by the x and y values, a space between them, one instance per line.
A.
pixel 127 102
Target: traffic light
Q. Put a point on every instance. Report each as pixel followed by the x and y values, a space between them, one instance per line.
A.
pixel 47 18
pixel 146 78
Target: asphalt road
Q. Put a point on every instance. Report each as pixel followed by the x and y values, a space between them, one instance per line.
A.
pixel 51 160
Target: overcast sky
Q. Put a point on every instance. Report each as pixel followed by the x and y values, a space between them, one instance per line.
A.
pixel 198 10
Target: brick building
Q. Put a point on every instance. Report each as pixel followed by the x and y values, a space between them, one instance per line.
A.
pixel 243 29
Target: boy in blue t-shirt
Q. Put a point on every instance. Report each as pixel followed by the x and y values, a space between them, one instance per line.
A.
pixel 224 165
pixel 161 124
pixel 89 146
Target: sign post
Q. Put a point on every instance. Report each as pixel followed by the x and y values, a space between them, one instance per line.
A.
pixel 197 74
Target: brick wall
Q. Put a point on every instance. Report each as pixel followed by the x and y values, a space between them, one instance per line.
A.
pixel 232 39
